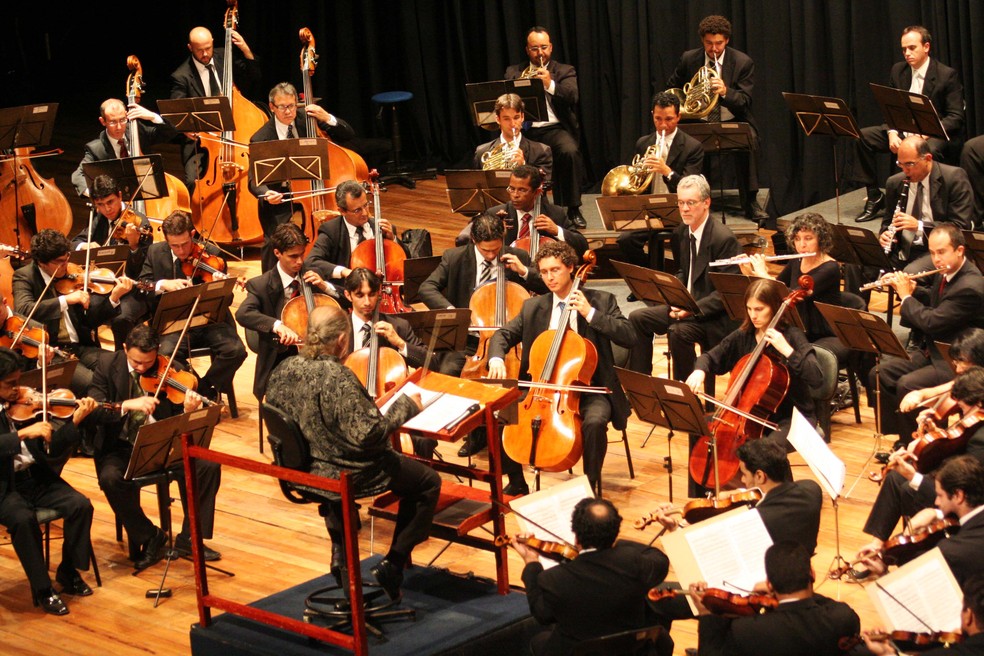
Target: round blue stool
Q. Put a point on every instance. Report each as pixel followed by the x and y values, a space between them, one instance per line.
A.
pixel 393 99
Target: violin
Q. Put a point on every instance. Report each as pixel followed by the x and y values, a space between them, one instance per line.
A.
pixel 911 640
pixel 548 433
pixel 202 264
pixel 101 281
pixel 555 550
pixel 757 386
pixel 30 340
pixel 128 217
pixel 176 385
pixel 698 510
pixel 296 311
pixel 902 548
pixel 722 602
pixel 384 256
pixel 61 404
pixel 933 447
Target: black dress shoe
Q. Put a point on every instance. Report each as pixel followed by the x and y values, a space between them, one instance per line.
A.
pixel 872 208
pixel 631 298
pixel 72 584
pixel 473 444
pixel 50 602
pixel 516 489
pixel 576 218
pixel 389 577
pixel 182 547
pixel 754 212
pixel 153 551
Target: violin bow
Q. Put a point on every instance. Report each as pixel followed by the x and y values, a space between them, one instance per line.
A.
pixel 34 309
pixel 535 524
pixel 177 345
pixel 43 357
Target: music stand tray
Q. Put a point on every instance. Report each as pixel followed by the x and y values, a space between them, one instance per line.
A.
pixel 139 178
pixel 732 287
pixel 482 97
pixel 860 330
pixel 822 115
pixel 909 112
pixel 283 160
pixel 105 257
pixel 649 212
pixel 657 287
pixel 203 114
pixel 28 125
pixel 855 245
pixel 448 328
pixel 415 271
pixel 174 307
pixel 472 191
pixel 664 402
pixel 720 136
pixel 59 375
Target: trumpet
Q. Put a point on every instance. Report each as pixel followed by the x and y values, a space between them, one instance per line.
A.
pixel 882 282
pixel 635 178
pixel 501 155
pixel 747 259
pixel 532 71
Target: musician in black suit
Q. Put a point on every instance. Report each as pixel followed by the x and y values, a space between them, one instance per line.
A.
pixel 339 237
pixel 601 591
pixel 287 122
pixel 201 75
pixel 266 296
pixel 28 481
pixel 510 116
pixel 919 73
pixel 936 310
pixel 972 161
pixel 594 315
pixel 937 193
pixel 733 85
pixel 116 381
pixel 71 320
pixel 803 623
pixel 163 270
pixel 559 129
pixel 112 142
pixel 708 239
pixel 683 156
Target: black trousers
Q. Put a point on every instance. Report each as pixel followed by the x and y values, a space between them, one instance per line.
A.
pixel 228 352
pixel 568 163
pixel 898 377
pixel 17 514
pixel 684 337
pixel 897 499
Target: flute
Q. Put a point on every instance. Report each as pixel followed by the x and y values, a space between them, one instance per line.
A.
pixel 878 284
pixel 746 259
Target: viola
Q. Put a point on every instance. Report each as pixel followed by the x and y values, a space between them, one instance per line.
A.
pixel 30 340
pixel 384 256
pixel 902 548
pixel 297 310
pixel 101 281
pixel 555 550
pixel 757 386
pixel 548 433
pixel 722 602
pixel 177 384
pixel 61 404
pixel 532 242
pixel 698 510
pixel 29 201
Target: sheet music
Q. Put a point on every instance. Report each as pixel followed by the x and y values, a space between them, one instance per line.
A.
pixel 926 587
pixel 440 408
pixel 731 554
pixel 552 510
pixel 828 468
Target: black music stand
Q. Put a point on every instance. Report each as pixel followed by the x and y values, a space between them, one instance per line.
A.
pixel 824 116
pixel 718 138
pixel 174 308
pixel 105 257
pixel 445 329
pixel 656 287
pixel 944 350
pixel 908 112
pixel 58 375
pixel 415 271
pixel 732 287
pixel 657 213
pixel 139 178
pixel 283 160
pixel 860 246
pixel 975 247
pixel 25 127
pixel 471 191
pixel 863 331
pixel 482 97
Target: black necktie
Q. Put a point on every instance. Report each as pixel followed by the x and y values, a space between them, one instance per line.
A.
pixel 214 87
pixel 290 131
pixel 176 269
pixel 693 263
pixel 917 207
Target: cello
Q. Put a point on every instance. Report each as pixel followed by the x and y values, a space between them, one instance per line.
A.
pixel 378 368
pixel 531 243
pixel 29 202
pixel 297 310
pixel 548 433
pixel 316 197
pixel 222 198
pixel 757 386
pixel 384 256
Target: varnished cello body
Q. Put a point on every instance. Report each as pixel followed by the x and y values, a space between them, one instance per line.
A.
pixel 28 199
pixel 492 305
pixel 384 256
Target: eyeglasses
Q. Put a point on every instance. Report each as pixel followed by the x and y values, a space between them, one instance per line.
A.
pixel 286 108
pixel 906 165
pixel 360 210
pixel 689 204
pixel 119 123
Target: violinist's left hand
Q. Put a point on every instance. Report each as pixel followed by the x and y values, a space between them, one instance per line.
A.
pixel 778 342
pixel 527 554
pixel 85 406
pixel 697 592
pixel 577 302
pixel 132 236
pixel 122 287
pixel 387 228
pixel 386 330
pixel 880 647
pixel 513 263
pixel 544 223
pixel 923 519
pixel 193 401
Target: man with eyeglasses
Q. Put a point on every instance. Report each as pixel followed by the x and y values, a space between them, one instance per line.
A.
pixel 287 122
pixel 937 193
pixel 112 142
pixel 697 241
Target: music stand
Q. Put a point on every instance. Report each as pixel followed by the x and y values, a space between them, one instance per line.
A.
pixel 59 375
pixel 138 178
pixel 657 287
pixel 718 138
pixel 104 257
pixel 283 160
pixel 174 307
pixel 471 191
pixel 863 331
pixel 975 247
pixel 732 287
pixel 824 116
pixel 202 114
pixel 445 329
pixel 908 112
pixel 415 271
pixel 860 246
pixel 25 127
pixel 482 97
pixel 657 213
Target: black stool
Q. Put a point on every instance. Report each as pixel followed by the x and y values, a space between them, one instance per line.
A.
pixel 394 99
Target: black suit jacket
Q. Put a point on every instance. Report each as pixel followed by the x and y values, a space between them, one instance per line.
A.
pixel 565 97
pixel 259 311
pixel 597 593
pixel 333 248
pixel 607 326
pixel 962 551
pixel 186 83
pixel 686 156
pixel 416 349
pixel 717 242
pixel 557 214
pixel 943 87
pixel 935 317
pixel 101 149
pixel 27 288
pixel 791 512
pixel 451 284
pixel 972 646
pixel 738 73
pixel 535 153
pixel 64 437
pixel 100 233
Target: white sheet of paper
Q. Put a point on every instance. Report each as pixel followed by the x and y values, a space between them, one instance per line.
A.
pixel 923 589
pixel 552 510
pixel 827 467
pixel 440 408
pixel 731 554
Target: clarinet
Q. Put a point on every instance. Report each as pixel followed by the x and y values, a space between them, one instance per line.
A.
pixel 900 206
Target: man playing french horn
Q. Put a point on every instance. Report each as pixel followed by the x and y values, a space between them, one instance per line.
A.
pixel 511 149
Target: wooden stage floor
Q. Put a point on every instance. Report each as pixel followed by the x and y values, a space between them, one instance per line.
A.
pixel 271 544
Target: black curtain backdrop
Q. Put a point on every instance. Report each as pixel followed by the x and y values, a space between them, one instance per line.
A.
pixel 623 51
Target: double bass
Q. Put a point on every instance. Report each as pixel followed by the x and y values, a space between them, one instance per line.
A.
pixel 383 256
pixel 29 202
pixel 223 208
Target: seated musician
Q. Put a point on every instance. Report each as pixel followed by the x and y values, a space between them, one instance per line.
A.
pixel 904 491
pixel 785 344
pixel 701 239
pixel 287 122
pixel 113 141
pixel 524 184
pixel 683 156
pixel 71 319
pixel 966 351
pixel 600 592
pixel 803 623
pixel 960 494
pixel 163 268
pixel 29 482
pixel 516 150
pixel 338 238
pixel 107 199
pixel 596 317
pixel 348 433
pixel 266 296
pixel 937 309
pixel 117 380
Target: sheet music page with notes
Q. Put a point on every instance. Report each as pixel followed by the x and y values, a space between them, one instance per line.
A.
pixel 552 510
pixel 828 468
pixel 441 409
pixel 924 590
